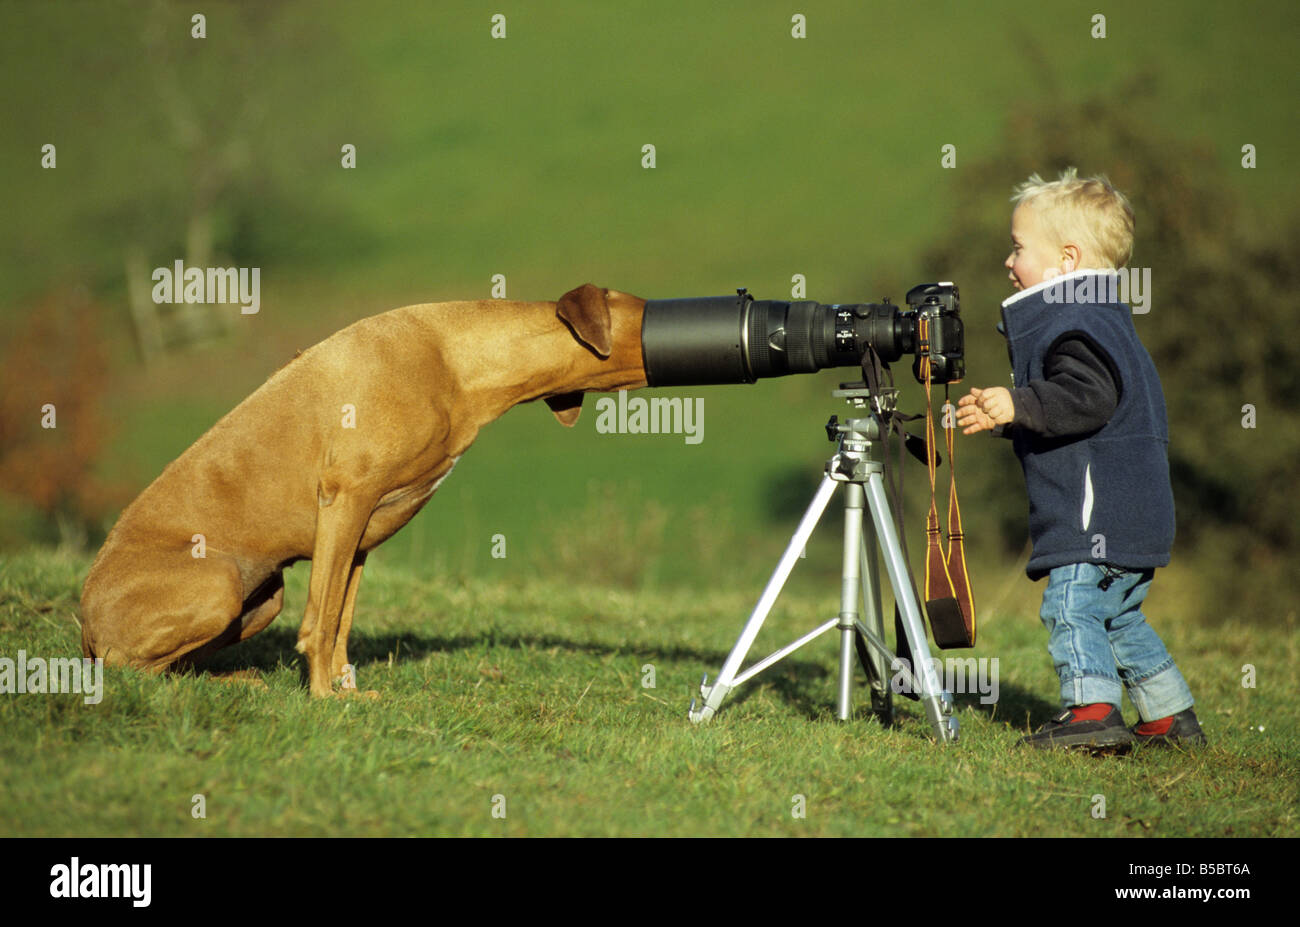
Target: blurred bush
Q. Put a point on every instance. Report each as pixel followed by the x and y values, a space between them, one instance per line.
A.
pixel 53 370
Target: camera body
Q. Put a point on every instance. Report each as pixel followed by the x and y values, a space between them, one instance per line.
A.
pixel 739 339
pixel 938 304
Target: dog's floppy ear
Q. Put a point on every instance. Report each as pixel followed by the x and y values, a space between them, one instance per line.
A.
pixel 566 407
pixel 586 312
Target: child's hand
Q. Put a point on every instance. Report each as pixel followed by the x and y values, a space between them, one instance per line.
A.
pixel 983 409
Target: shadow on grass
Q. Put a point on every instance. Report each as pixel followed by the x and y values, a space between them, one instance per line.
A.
pixel 802 684
pixel 273 648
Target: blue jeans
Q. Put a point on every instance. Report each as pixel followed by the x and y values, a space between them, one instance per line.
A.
pixel 1102 645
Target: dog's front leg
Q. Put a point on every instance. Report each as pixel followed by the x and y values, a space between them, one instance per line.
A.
pixel 340 521
pixel 340 663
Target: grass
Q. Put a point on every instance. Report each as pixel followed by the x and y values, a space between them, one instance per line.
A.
pixel 528 696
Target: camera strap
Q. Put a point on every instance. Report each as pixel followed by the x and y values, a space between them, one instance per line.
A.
pixel 949 601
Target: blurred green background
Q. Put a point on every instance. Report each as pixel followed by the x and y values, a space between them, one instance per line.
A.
pixel 522 156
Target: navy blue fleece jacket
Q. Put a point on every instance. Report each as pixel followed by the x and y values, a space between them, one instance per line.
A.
pixel 1089 429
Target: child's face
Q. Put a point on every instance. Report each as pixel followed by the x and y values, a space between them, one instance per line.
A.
pixel 1033 258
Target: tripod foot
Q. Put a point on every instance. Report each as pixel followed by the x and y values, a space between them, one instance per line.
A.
pixel 940 710
pixel 952 732
pixel 710 701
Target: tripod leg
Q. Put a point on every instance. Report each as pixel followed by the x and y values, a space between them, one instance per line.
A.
pixel 850 584
pixel 938 703
pixel 714 694
pixel 874 662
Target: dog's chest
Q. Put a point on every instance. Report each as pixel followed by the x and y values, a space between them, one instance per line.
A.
pixel 399 506
pixel 433 487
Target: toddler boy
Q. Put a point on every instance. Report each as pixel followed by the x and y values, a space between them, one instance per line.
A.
pixel 1086 416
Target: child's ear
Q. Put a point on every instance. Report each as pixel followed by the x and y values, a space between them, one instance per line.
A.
pixel 1070 255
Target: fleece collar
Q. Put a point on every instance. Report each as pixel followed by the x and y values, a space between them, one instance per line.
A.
pixel 1022 312
pixel 1053 281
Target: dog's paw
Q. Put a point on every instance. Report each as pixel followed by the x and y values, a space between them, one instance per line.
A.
pixel 354 692
pixel 246 677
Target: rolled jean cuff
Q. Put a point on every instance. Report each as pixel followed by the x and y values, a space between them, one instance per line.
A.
pixel 1161 695
pixel 1086 690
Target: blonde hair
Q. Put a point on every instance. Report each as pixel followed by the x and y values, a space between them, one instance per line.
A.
pixel 1090 213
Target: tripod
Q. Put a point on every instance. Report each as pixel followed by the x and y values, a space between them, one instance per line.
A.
pixel 858 464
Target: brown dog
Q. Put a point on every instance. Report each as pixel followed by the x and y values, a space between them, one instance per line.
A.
pixel 326 460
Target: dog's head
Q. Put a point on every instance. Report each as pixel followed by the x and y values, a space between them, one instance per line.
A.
pixel 608 324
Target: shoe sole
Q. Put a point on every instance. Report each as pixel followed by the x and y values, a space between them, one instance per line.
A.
pixel 1163 740
pixel 1094 742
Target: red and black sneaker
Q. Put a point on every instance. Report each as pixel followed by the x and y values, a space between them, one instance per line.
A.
pixel 1182 729
pixel 1098 727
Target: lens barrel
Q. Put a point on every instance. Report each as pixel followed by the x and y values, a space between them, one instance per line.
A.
pixel 739 339
pixel 696 342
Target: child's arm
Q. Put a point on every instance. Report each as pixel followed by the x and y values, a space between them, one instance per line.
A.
pixel 1078 393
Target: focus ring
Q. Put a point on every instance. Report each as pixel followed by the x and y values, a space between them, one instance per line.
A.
pixel 799 337
pixel 759 352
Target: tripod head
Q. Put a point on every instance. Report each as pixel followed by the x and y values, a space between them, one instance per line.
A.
pixel 882 412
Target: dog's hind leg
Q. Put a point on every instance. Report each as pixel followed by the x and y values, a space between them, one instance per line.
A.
pixel 262 606
pixel 154 617
pixel 260 610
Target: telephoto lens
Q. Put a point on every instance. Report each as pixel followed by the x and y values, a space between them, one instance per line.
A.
pixel 738 339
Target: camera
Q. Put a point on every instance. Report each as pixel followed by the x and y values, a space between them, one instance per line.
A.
pixel 739 339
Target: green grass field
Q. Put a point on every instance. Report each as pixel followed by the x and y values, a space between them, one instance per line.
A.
pixel 521 708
